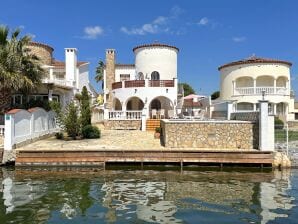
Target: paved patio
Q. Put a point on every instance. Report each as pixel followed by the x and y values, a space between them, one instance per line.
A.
pixel 110 140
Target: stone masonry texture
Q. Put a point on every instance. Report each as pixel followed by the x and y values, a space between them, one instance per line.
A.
pixel 214 135
pixel 110 74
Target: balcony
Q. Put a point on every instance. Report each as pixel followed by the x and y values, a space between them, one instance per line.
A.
pixel 59 82
pixel 143 83
pixel 258 91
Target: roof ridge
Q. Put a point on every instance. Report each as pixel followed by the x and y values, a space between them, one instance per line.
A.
pixel 254 59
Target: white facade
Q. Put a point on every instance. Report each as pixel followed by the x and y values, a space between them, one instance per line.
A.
pixel 64 78
pixel 148 85
pixel 245 82
pixel 161 59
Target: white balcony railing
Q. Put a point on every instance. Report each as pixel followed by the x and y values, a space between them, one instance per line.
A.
pixel 259 90
pixel 125 115
pixel 60 82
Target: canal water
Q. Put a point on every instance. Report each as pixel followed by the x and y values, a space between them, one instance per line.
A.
pixel 88 195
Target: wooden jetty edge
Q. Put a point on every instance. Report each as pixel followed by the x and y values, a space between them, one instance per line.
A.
pixel 101 157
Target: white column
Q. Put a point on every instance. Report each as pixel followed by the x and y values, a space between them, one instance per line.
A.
pixel 274 108
pixel 146 82
pixel 230 106
pixel 288 91
pixel 255 85
pixel 51 74
pixel 175 82
pixel 266 128
pixel 255 107
pixel 234 86
pixel 50 95
pixel 9 132
pixel 274 86
pixel 144 119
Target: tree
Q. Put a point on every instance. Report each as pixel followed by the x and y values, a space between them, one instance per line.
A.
pixel 215 95
pixel 71 120
pixel 99 72
pixel 187 89
pixel 19 70
pixel 85 107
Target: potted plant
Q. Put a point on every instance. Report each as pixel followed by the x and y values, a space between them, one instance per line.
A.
pixel 157 132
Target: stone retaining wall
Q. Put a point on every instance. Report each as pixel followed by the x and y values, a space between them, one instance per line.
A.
pixel 123 124
pixel 210 134
pixel 293 125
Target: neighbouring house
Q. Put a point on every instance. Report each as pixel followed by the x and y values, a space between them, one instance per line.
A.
pixel 64 78
pixel 247 81
pixel 149 87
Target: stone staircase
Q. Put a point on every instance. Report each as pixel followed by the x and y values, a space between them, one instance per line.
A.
pixel 151 124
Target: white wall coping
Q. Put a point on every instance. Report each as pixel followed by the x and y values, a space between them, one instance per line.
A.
pixel 189 121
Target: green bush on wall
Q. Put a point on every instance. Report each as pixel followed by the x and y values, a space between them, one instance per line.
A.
pixel 90 131
pixel 278 123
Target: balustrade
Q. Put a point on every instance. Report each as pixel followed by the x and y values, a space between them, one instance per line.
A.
pixel 259 90
pixel 125 115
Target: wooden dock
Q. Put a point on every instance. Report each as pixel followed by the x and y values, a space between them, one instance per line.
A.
pixel 101 157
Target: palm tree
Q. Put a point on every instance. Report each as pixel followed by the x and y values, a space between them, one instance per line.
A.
pixel 99 72
pixel 19 70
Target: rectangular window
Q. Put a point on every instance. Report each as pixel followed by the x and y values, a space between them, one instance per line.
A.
pixel 59 74
pixel 124 77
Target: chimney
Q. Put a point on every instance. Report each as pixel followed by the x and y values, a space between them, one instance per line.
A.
pixel 70 64
pixel 110 75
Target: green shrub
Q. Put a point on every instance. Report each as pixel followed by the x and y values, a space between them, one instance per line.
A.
pixel 157 129
pixel 278 124
pixel 71 120
pixel 90 131
pixel 59 135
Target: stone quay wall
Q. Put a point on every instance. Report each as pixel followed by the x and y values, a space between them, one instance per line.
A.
pixel 123 124
pixel 209 134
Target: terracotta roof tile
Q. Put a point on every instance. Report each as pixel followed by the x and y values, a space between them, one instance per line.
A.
pixel 254 60
pixel 14 111
pixel 155 45
pixel 125 65
pixel 61 64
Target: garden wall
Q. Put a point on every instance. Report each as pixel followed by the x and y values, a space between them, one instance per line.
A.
pixel 123 124
pixel 210 134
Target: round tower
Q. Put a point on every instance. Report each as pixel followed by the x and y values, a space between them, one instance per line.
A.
pixel 156 61
pixel 42 51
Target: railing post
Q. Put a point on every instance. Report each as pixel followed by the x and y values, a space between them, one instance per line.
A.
pixel 9 132
pixel 143 120
pixel 266 128
pixel 146 82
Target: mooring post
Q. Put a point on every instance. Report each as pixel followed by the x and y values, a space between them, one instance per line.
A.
pixel 142 165
pixel 181 166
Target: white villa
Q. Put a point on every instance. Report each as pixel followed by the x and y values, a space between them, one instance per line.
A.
pixel 246 81
pixel 148 87
pixel 64 78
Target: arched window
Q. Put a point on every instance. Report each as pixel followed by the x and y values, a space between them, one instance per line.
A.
pixel 155 75
pixel 140 76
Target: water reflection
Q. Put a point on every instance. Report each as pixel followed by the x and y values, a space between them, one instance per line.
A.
pixel 90 195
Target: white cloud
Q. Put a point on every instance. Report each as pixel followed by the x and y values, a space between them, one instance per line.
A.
pixel 239 39
pixel 149 28
pixel 176 11
pixel 203 22
pixel 31 35
pixel 93 32
pixel 159 25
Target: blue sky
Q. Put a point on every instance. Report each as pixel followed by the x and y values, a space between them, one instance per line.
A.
pixel 208 33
